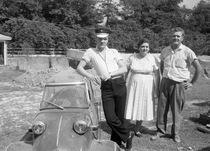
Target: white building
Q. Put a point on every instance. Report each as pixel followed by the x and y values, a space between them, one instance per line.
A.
pixel 3 49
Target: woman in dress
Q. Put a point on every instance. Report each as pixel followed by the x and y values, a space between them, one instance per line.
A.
pixel 142 84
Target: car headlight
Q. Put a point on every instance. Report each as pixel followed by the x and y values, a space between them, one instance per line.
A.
pixel 38 127
pixel 82 126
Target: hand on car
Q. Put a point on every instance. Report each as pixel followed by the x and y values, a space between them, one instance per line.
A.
pixel 94 78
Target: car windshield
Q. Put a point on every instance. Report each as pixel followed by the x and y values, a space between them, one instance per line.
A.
pixel 64 96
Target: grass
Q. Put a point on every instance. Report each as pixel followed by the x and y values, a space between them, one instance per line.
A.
pixel 201 89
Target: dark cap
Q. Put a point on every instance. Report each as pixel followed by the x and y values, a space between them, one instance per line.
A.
pixel 102 32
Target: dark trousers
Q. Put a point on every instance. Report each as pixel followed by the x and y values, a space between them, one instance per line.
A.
pixel 114 100
pixel 171 95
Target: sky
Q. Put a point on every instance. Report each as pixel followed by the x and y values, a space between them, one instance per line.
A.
pixel 190 3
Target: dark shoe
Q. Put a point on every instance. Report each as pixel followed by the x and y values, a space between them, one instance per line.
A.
pixel 138 134
pixel 129 141
pixel 122 147
pixel 127 149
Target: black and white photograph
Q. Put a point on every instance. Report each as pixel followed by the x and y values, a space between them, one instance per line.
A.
pixel 104 75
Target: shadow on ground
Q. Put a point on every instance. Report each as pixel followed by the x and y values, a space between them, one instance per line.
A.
pixel 144 130
pixel 195 120
pixel 202 104
pixel 205 149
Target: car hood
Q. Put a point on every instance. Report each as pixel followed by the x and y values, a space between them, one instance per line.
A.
pixel 59 134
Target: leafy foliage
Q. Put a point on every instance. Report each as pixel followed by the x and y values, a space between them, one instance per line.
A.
pixel 62 24
pixel 200 18
pixel 68 12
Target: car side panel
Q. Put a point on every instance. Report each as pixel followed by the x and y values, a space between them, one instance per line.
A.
pixel 104 145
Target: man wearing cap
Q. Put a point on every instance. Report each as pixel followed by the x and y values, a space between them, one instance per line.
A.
pixel 109 66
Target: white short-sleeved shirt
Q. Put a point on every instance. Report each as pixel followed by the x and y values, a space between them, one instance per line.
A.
pixel 103 65
pixel 177 63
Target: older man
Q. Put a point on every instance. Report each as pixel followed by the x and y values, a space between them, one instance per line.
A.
pixel 176 60
pixel 109 66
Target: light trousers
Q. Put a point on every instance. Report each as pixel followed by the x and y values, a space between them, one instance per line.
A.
pixel 172 95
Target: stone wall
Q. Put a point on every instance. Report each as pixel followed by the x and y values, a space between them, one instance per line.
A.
pixel 44 62
pixel 39 63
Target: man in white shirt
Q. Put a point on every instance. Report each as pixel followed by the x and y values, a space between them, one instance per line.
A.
pixel 176 61
pixel 110 67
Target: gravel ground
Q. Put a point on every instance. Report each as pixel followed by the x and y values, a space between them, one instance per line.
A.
pixel 19 104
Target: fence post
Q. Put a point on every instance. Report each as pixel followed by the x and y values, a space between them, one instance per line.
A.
pixel 52 51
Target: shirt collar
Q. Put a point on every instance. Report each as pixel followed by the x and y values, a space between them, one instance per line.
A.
pixel 105 49
pixel 178 49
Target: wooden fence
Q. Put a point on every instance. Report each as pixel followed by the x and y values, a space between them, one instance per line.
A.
pixel 35 51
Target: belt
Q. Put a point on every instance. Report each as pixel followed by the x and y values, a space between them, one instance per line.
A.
pixel 116 77
pixel 113 78
pixel 172 80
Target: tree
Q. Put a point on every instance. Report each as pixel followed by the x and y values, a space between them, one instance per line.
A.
pixel 28 9
pixel 196 41
pixel 35 34
pixel 200 18
pixel 125 34
pixel 69 12
pixel 65 24
pixel 157 15
pixel 43 23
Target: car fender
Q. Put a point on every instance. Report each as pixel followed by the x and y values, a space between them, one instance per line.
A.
pixel 104 145
pixel 29 137
pixel 18 146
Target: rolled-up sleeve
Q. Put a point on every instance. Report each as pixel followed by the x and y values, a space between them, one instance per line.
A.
pixel 156 61
pixel 191 56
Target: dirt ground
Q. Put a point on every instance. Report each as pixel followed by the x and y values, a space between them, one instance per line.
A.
pixel 19 104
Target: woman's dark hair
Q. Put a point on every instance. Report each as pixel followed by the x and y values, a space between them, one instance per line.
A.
pixel 144 40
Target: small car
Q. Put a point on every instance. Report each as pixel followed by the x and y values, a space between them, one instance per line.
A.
pixel 68 120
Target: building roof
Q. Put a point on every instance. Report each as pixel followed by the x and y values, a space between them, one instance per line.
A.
pixel 3 37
